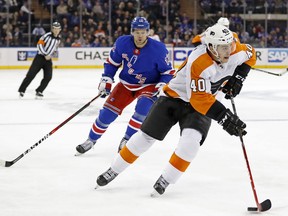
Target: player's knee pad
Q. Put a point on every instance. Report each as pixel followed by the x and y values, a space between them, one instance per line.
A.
pixel 143 105
pixel 106 116
pixel 139 143
pixel 189 144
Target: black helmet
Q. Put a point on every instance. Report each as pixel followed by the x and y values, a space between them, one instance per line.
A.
pixel 56 25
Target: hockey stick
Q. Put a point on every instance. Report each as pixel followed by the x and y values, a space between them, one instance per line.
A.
pixel 10 163
pixel 265 205
pixel 272 73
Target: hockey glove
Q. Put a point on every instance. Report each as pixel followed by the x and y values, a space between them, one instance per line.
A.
pixel 235 83
pixel 231 123
pixel 158 88
pixel 233 86
pixel 105 86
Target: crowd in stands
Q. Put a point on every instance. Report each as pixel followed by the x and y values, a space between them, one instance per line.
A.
pixel 98 31
pixel 254 32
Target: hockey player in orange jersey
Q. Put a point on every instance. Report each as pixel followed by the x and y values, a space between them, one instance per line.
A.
pixel 200 39
pixel 192 99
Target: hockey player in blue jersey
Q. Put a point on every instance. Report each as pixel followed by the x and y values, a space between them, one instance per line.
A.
pixel 145 70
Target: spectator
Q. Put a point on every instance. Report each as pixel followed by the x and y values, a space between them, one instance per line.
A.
pixel 68 42
pixel 25 8
pixel 91 23
pixel 74 19
pixel 8 37
pixel 98 11
pixel 185 27
pixel 96 42
pixel 55 3
pixel 72 6
pixel 76 32
pixel 153 35
pixel 104 43
pixel 17 37
pixel 65 23
pixel 37 32
pixel 76 43
pixel 13 5
pixel 244 36
pixel 99 31
pixel 62 10
pixel 22 20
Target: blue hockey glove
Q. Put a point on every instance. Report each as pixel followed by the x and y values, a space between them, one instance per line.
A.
pixel 105 86
pixel 231 123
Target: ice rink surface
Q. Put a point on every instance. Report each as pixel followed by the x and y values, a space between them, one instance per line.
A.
pixel 50 180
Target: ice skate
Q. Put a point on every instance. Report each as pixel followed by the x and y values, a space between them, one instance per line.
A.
pixel 39 96
pixel 122 144
pixel 159 187
pixel 106 177
pixel 84 147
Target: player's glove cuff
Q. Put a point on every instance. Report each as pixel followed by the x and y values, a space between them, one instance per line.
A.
pixel 105 86
pixel 231 123
pixel 158 88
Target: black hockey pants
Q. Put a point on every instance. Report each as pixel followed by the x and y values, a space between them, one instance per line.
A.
pixel 38 63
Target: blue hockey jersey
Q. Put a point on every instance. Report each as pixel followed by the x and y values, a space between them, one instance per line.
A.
pixel 148 65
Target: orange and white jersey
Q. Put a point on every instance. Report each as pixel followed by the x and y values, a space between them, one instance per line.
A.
pixel 199 78
pixel 235 35
pixel 200 39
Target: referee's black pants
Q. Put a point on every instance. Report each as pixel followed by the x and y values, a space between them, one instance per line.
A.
pixel 38 63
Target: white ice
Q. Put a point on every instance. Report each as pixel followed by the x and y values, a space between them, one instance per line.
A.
pixel 50 180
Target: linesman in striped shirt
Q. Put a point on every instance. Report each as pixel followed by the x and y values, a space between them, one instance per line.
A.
pixel 47 45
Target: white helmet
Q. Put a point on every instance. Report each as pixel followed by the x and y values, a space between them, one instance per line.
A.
pixel 217 35
pixel 223 21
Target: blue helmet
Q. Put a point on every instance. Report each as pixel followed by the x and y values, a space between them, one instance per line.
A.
pixel 140 23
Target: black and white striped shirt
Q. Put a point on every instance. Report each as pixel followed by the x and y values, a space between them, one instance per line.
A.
pixel 48 44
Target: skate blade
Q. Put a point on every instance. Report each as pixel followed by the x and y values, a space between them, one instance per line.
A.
pixel 78 154
pixel 154 194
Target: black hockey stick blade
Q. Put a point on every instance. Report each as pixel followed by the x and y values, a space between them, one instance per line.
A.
pixel 264 206
pixel 6 163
